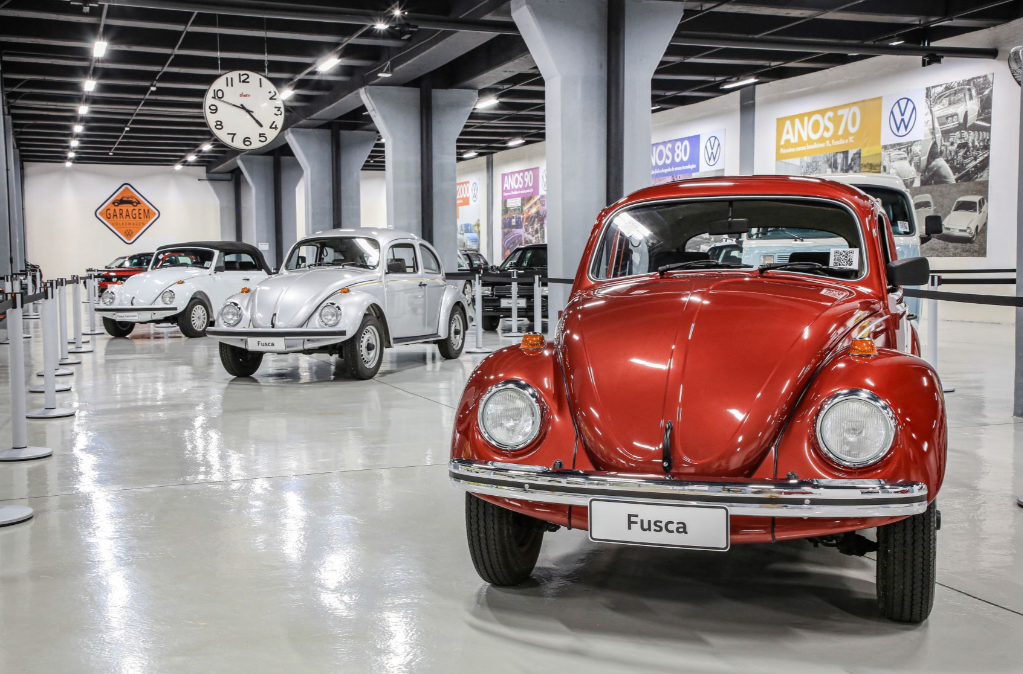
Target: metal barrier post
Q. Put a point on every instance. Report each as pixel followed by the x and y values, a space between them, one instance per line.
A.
pixel 32 287
pixel 50 357
pixel 77 317
pixel 932 322
pixel 65 359
pixel 478 297
pixel 515 305
pixel 537 305
pixel 90 285
pixel 19 451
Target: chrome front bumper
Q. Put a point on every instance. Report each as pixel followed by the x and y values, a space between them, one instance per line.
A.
pixel 145 313
pixel 296 340
pixel 758 498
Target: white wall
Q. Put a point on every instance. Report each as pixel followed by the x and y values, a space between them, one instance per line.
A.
pixel 64 236
pixel 476 169
pixel 373 199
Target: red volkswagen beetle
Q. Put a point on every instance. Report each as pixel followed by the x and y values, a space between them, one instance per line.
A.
pixel 696 397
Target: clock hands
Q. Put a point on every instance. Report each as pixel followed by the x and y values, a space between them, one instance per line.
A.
pixel 242 107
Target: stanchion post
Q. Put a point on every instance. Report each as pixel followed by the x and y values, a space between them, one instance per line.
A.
pixel 537 304
pixel 90 285
pixel 19 451
pixel 478 301
pixel 515 304
pixel 65 359
pixel 933 282
pixel 77 314
pixel 50 357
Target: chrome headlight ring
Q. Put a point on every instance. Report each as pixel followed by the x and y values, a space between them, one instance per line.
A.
pixel 230 314
pixel 167 296
pixel 858 397
pixel 534 404
pixel 329 314
pixel 108 298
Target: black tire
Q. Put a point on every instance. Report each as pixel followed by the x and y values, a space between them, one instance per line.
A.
pixel 363 352
pixel 239 362
pixel 491 322
pixel 503 544
pixel 906 560
pixel 117 328
pixel 194 320
pixel 451 347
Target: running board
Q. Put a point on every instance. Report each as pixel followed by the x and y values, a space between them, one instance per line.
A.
pixel 412 340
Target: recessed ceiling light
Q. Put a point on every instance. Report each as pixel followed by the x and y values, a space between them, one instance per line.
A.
pixel 397 11
pixel 99 48
pixel 79 128
pixel 90 85
pixel 386 72
pixel 380 25
pixel 739 83
pixel 896 43
pixel 470 154
pixel 327 64
pixel 655 107
pixel 207 147
pixel 488 102
pixel 287 93
pixel 83 109
pixel 70 155
pixel 127 128
pixel 516 141
pixel 74 142
pixel 190 157
pixel 67 163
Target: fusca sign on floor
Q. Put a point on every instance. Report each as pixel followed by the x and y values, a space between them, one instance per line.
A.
pixel 127 213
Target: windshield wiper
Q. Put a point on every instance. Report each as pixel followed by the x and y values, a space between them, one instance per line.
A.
pixel 702 264
pixel 805 266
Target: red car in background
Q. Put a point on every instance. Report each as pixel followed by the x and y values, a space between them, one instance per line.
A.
pixel 122 268
pixel 692 401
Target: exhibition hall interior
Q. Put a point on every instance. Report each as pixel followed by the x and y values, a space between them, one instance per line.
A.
pixel 602 336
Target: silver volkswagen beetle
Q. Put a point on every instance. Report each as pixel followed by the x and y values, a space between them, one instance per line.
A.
pixel 348 292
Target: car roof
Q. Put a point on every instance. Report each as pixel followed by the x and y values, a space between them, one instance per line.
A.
pixel 875 179
pixel 224 247
pixel 970 197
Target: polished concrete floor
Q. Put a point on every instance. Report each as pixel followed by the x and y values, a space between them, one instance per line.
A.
pixel 303 522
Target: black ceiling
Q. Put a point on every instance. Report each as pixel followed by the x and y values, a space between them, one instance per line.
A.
pixel 164 53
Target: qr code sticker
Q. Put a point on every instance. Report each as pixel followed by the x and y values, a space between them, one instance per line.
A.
pixel 845 258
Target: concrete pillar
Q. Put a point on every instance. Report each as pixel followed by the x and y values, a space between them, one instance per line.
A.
pixel 11 200
pixel 395 111
pixel 312 149
pixel 649 26
pixel 258 204
pixel 747 129
pixel 353 149
pixel 5 207
pixel 568 41
pixel 224 189
pixel 451 107
pixel 17 198
pixel 291 175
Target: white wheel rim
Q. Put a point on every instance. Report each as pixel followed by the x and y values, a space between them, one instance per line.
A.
pixel 457 331
pixel 369 346
pixel 199 317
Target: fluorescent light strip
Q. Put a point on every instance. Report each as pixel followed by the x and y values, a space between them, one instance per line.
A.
pixel 739 83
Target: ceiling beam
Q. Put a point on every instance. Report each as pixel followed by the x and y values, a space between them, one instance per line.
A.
pixel 793 11
pixel 107 64
pixel 691 39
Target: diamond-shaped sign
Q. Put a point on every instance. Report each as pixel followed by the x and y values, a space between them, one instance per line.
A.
pixel 127 213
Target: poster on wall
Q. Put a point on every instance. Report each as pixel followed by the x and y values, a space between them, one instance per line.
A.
pixel 127 213
pixel 523 208
pixel 698 156
pixel 467 207
pixel 936 140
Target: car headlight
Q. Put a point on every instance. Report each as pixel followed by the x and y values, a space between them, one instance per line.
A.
pixel 509 415
pixel 855 428
pixel 230 315
pixel 767 259
pixel 488 290
pixel 108 297
pixel 330 315
pixel 167 297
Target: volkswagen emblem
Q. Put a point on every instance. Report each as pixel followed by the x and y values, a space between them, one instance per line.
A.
pixel 474 191
pixel 902 117
pixel 712 151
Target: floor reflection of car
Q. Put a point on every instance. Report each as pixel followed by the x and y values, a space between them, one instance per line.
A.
pixel 968 217
pixel 956 108
pixel 468 239
pixel 472 261
pixel 122 268
pixel 923 205
pixel 125 201
pixel 497 300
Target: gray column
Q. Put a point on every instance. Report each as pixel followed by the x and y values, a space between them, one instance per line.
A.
pixel 1017 400
pixel 224 190
pixel 5 207
pixel 17 200
pixel 291 175
pixel 395 110
pixel 747 129
pixel 12 207
pixel 568 41
pixel 649 26
pixel 353 149
pixel 312 149
pixel 258 204
pixel 451 107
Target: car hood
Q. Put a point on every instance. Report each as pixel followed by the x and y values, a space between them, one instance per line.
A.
pixel 960 218
pixel 144 288
pixel 293 296
pixel 724 357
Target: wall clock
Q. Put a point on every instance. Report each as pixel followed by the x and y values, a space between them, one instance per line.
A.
pixel 243 110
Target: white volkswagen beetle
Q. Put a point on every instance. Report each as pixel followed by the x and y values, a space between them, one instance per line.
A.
pixel 347 292
pixel 183 284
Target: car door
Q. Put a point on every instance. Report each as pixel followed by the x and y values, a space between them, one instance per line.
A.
pixel 433 276
pixel 233 272
pixel 405 293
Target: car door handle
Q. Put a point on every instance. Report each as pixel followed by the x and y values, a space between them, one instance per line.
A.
pixel 245 278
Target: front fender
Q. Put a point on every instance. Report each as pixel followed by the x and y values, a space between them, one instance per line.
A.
pixel 354 306
pixel 452 296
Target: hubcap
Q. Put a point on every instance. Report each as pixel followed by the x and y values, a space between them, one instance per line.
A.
pixel 457 331
pixel 369 346
pixel 199 317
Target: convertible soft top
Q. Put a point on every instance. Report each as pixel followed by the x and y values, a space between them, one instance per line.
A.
pixel 224 247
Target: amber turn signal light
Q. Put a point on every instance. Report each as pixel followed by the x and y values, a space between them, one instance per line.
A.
pixel 863 347
pixel 245 290
pixel 533 341
pixel 181 283
pixel 345 290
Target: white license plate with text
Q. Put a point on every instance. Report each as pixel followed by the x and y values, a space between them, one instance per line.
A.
pixel 506 303
pixel 266 343
pixel 126 316
pixel 661 525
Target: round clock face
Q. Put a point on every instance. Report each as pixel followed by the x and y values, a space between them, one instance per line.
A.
pixel 244 110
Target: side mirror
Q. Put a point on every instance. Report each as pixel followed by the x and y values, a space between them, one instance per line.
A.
pixel 395 267
pixel 913 271
pixel 932 225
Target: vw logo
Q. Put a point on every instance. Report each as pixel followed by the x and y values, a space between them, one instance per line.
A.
pixel 712 151
pixel 543 180
pixel 902 117
pixel 474 191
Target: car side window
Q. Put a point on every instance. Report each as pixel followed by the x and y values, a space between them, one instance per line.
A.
pixel 430 262
pixel 882 230
pixel 240 262
pixel 405 252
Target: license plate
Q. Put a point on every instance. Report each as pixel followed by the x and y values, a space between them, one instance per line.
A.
pixel 660 525
pixel 266 344
pixel 126 316
pixel 506 303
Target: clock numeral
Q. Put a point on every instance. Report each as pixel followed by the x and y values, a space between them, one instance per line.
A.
pixel 212 107
pixel 273 125
pixel 243 78
pixel 260 82
pixel 218 125
pixel 230 81
pixel 247 141
pixel 232 135
pixel 278 111
pixel 218 94
pixel 273 95
pixel 262 138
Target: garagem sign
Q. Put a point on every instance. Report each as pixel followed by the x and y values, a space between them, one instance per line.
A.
pixel 127 213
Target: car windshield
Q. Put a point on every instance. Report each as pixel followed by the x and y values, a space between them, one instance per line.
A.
pixel 956 97
pixel 338 251
pixel 117 262
pixel 809 236
pixel 970 206
pixel 896 206
pixel 525 258
pixel 922 204
pixel 137 260
pixel 184 257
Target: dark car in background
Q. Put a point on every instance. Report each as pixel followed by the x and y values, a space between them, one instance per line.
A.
pixel 471 261
pixel 497 300
pixel 123 268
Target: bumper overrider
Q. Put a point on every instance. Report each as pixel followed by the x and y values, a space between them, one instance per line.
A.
pixel 759 498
